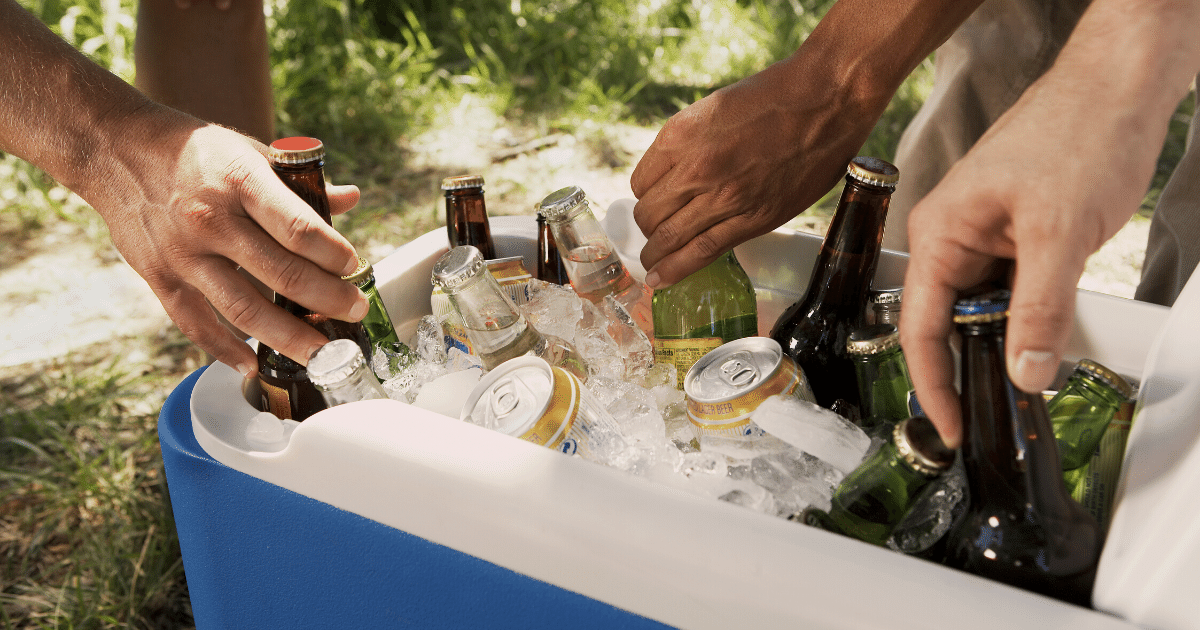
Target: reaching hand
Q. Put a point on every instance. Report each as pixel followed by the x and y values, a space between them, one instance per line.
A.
pixel 190 208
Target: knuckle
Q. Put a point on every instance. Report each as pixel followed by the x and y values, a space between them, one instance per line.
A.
pixel 290 276
pixel 244 312
pixel 300 230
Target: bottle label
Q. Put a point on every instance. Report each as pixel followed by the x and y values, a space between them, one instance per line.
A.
pixel 276 400
pixel 914 406
pixel 684 353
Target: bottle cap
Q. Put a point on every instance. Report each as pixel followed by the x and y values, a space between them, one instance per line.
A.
pixel 462 181
pixel 557 204
pixel 873 171
pixel 986 307
pixel 457 266
pixel 873 339
pixel 887 296
pixel 918 442
pixel 362 274
pixel 334 362
pixel 296 150
pixel 1106 376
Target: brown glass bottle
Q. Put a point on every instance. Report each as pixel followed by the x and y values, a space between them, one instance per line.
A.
pixel 466 214
pixel 550 265
pixel 1020 526
pixel 814 330
pixel 286 390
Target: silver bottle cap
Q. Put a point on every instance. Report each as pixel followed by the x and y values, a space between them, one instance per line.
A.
pixel 874 171
pixel 559 203
pixel 457 267
pixel 334 362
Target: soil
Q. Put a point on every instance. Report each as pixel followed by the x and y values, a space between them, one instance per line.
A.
pixel 65 292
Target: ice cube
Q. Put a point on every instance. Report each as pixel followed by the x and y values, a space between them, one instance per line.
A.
pixel 932 513
pixel 444 394
pixel 814 430
pixel 553 309
pixel 796 480
pixel 389 359
pixel 430 340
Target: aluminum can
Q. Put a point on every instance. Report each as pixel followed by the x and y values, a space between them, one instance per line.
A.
pixel 726 385
pixel 529 399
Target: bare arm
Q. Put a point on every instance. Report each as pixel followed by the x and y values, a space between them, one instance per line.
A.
pixel 1046 186
pixel 186 202
pixel 747 158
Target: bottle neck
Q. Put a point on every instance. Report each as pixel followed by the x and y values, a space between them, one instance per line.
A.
pixel 467 220
pixel 308 182
pixel 850 252
pixel 491 318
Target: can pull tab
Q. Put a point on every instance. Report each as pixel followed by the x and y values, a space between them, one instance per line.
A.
pixel 739 370
pixel 504 398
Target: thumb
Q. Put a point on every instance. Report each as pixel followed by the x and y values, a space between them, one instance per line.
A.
pixel 1041 314
pixel 341 198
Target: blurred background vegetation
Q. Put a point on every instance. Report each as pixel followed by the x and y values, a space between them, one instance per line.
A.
pixel 86 536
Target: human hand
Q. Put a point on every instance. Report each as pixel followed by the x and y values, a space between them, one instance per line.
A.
pixel 1045 187
pixel 739 163
pixel 198 201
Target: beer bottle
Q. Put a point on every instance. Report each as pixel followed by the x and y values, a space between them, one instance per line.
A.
pixel 702 312
pixel 1083 409
pixel 286 389
pixel 590 258
pixel 550 265
pixel 466 214
pixel 884 385
pixel 1020 527
pixel 378 323
pixel 1094 484
pixel 885 306
pixel 814 330
pixel 497 330
pixel 872 499
pixel 339 371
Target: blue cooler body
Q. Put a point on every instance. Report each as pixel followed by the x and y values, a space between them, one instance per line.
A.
pixel 382 514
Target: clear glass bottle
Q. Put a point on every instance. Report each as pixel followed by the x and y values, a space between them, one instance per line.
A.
pixel 1020 526
pixel 1082 410
pixel 286 390
pixel 466 214
pixel 590 258
pixel 873 499
pixel 497 330
pixel 339 371
pixel 702 312
pixel 814 330
pixel 884 385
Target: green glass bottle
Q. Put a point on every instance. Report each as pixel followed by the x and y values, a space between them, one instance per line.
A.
pixel 1082 410
pixel 872 499
pixel 702 312
pixel 884 385
pixel 377 321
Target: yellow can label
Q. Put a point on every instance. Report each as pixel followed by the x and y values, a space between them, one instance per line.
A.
pixel 555 424
pixel 684 353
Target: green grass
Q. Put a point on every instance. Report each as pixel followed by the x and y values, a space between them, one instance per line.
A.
pixel 86 535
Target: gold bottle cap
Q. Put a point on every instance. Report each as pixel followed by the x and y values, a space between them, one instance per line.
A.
pixel 873 339
pixel 457 267
pixel 918 442
pixel 296 150
pixel 873 171
pixel 559 203
pixel 1106 376
pixel 362 274
pixel 460 182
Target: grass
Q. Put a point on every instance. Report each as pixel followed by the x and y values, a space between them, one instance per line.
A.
pixel 86 535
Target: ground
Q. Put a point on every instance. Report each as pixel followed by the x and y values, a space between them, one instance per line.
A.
pixel 67 291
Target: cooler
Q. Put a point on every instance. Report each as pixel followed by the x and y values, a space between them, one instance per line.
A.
pixel 379 514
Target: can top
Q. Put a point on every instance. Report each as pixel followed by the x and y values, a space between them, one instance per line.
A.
pixel 1106 376
pixel 557 204
pixel 457 266
pixel 732 369
pixel 874 171
pixel 512 397
pixel 362 274
pixel 296 150
pixel 987 307
pixel 892 295
pixel 873 339
pixel 918 442
pixel 334 362
pixel 460 182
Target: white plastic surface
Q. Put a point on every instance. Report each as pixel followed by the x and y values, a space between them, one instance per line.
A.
pixel 643 547
pixel 1150 570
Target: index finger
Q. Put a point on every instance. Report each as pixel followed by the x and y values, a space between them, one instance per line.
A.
pixel 925 328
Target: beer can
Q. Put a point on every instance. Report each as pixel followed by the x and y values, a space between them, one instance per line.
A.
pixel 529 399
pixel 726 385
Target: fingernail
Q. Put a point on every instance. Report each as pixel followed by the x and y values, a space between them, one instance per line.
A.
pixel 246 370
pixel 360 308
pixel 350 267
pixel 1035 370
pixel 311 351
pixel 652 279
